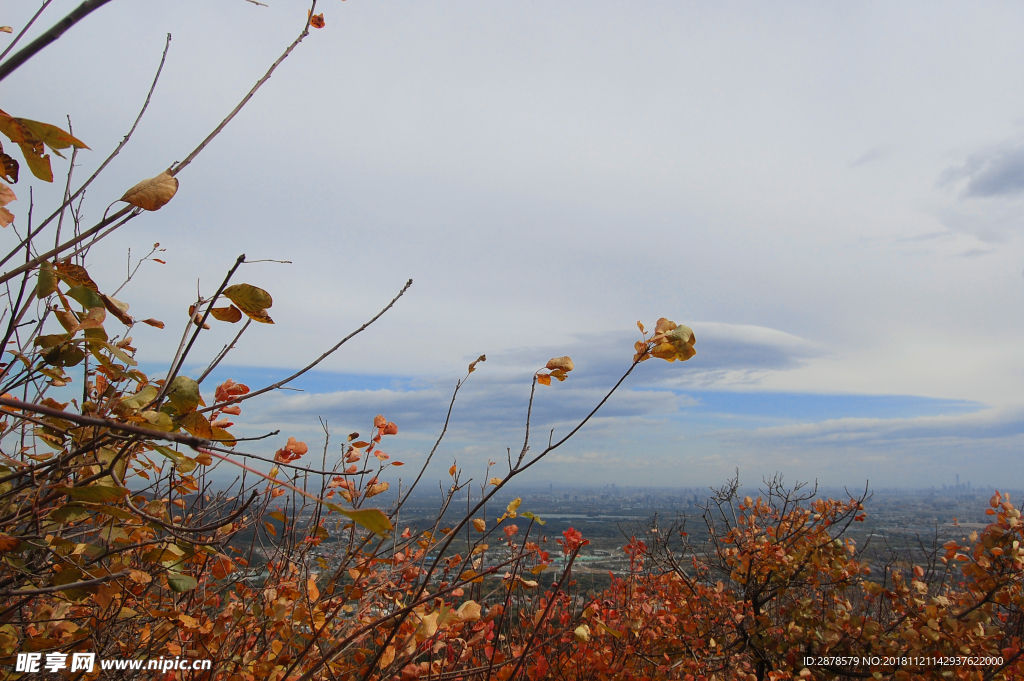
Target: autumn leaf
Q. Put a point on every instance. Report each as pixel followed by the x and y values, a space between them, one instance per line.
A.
pixel 6 194
pixel 153 322
pixel 230 314
pixel 375 489
pixel 8 167
pixel 6 29
pixel 479 525
pixel 154 193
pixel 317 21
pixel 118 309
pixel 560 363
pixel 472 365
pixel 544 379
pixel 452 470
pixel 196 424
pixel 251 300
pixel 33 137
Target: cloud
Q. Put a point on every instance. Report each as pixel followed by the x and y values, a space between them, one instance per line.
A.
pixel 986 424
pixel 497 395
pixel 995 173
pixel 869 156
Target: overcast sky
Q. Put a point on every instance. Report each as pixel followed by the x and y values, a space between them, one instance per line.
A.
pixel 831 195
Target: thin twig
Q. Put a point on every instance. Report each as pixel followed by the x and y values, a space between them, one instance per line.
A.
pixel 50 36
pixel 275 386
pixel 25 30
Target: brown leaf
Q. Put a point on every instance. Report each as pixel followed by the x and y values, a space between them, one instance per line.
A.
pixel 8 167
pixel 562 363
pixel 544 379
pixel 472 365
pixel 230 314
pixel 317 21
pixel 6 194
pixel 118 309
pixel 154 322
pixel 6 29
pixel 6 217
pixel 154 193
pixel 75 275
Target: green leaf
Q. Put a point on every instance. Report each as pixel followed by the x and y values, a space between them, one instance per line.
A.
pixel 372 519
pixel 47 282
pixel 69 514
pixel 64 356
pixel 86 296
pixel 251 300
pixel 181 583
pixel 119 353
pixel 158 420
pixel 531 516
pixel 97 493
pixel 141 398
pixel 184 394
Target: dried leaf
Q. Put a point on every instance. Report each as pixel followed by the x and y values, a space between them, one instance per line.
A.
pixel 6 29
pixel 317 21
pixel 472 365
pixel 544 379
pixel 6 217
pixel 251 300
pixel 230 314
pixel 76 275
pixel 560 363
pixel 154 193
pixel 374 490
pixel 154 322
pixel 118 309
pixel 8 167
pixel 6 194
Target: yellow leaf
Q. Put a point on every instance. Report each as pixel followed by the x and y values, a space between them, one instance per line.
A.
pixel 494 481
pixel 387 658
pixel 452 470
pixel 6 29
pixel 197 424
pixel 479 525
pixel 154 193
pixel 252 300
pixel 314 593
pixel 469 611
pixel 512 506
pixel 374 490
pixel 480 548
pixel 544 379
pixel 582 633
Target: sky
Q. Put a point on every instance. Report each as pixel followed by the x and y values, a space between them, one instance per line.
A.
pixel 830 195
